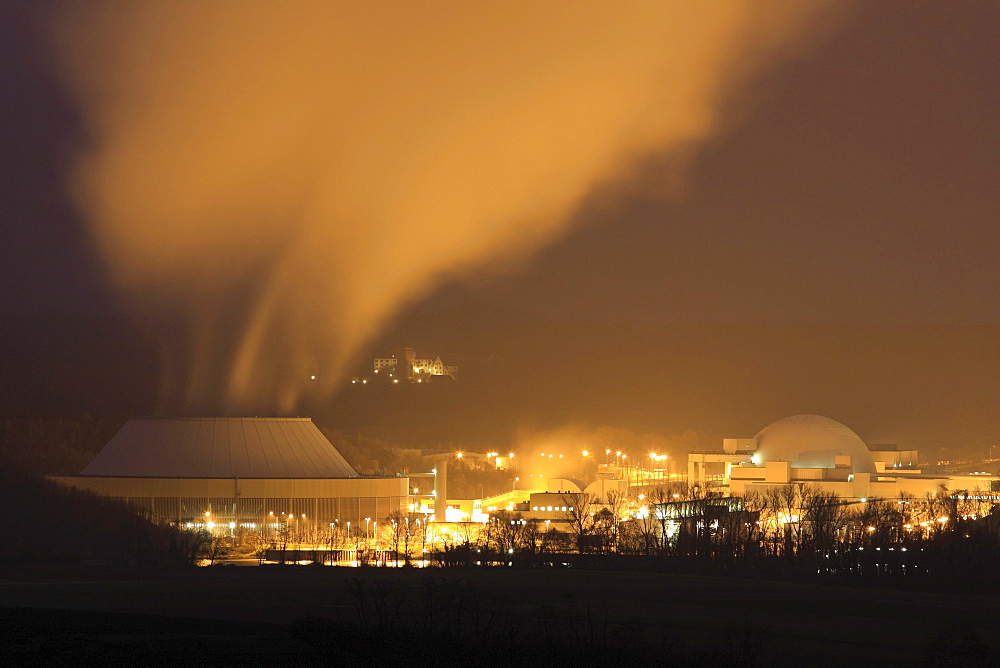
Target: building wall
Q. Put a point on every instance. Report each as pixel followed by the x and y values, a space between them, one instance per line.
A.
pixel 734 445
pixel 253 500
pixel 552 506
pixel 713 468
pixel 896 458
pixel 385 363
pixel 859 486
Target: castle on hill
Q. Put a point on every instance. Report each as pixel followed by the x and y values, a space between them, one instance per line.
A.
pixel 416 369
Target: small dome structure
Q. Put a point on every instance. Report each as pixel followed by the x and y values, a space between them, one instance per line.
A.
pixel 812 441
pixel 601 488
pixel 568 485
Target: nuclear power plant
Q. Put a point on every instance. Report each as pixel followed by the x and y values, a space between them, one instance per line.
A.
pixel 815 450
pixel 273 475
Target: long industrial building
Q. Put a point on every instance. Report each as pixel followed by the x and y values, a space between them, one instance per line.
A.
pixel 237 472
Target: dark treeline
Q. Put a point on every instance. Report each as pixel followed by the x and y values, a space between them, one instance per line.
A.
pixel 46 523
pixel 445 619
pixel 791 531
pixel 53 444
pixel 801 531
pixel 451 621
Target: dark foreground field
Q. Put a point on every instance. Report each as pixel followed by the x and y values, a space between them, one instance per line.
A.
pixel 317 616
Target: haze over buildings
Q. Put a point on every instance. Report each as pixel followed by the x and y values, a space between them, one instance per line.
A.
pixel 720 279
pixel 280 477
pixel 814 235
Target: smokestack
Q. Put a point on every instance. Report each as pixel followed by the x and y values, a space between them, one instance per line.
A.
pixel 441 490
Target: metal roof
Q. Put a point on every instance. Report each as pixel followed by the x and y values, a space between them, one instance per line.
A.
pixel 220 448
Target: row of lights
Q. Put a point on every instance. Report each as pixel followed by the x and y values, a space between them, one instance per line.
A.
pixel 584 453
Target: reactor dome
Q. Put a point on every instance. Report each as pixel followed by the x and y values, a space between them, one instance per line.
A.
pixel 812 441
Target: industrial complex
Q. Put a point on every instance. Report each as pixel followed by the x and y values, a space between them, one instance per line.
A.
pixel 274 475
pixel 811 449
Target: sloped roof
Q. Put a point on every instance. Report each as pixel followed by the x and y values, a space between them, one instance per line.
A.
pixel 220 448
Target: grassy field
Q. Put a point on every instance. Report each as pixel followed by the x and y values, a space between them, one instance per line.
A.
pixel 224 611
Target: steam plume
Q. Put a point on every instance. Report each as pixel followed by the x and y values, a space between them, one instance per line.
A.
pixel 277 179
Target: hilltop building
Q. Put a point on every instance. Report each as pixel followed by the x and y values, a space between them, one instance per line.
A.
pixel 414 369
pixel 385 363
pixel 419 367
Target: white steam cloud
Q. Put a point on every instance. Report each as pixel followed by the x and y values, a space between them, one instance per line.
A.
pixel 274 180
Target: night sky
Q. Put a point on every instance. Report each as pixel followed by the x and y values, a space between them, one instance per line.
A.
pixel 829 247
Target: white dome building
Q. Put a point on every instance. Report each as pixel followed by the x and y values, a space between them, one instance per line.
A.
pixel 812 442
pixel 815 450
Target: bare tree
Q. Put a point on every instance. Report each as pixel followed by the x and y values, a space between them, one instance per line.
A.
pixel 639 534
pixel 215 548
pixel 605 531
pixel 508 532
pixel 737 531
pixel 421 535
pixel 580 518
pixel 191 543
pixel 660 497
pixel 872 523
pixel 615 504
pixel 257 544
pixel 282 538
pixel 398 532
pixel 824 514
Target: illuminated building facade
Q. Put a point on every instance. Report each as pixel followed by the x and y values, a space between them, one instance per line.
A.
pixel 413 369
pixel 418 368
pixel 234 472
pixel 816 450
pixel 385 363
